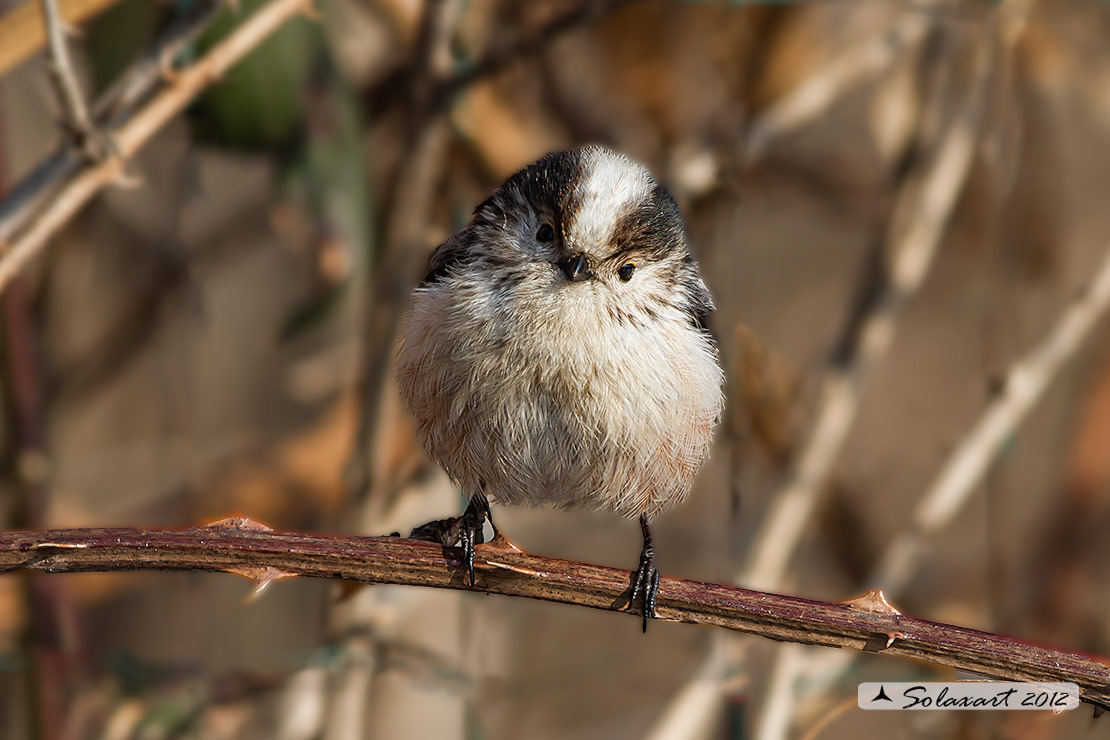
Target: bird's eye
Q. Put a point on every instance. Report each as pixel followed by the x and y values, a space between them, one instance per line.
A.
pixel 546 233
pixel 625 273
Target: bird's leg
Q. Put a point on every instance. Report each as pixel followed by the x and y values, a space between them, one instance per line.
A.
pixel 645 583
pixel 464 531
pixel 471 524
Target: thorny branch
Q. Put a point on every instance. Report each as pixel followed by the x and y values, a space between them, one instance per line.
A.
pixel 1024 384
pixel 247 548
pixel 495 60
pixel 828 85
pixel 185 85
pixel 75 110
pixel 410 197
pixel 921 216
pixel 918 237
pixel 921 209
pixel 28 197
pixel 529 44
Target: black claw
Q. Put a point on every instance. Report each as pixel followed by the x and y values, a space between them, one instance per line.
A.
pixel 471 523
pixel 464 531
pixel 466 541
pixel 645 584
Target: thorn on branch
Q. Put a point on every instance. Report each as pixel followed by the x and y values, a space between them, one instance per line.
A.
pixel 167 69
pixel 238 524
pixel 27 225
pixel 262 576
pixel 872 602
pixel 880 641
pixel 77 123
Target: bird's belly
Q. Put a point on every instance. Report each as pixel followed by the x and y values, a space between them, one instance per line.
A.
pixel 610 425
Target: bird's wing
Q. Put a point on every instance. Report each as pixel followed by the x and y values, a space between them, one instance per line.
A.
pixel 700 301
pixel 446 256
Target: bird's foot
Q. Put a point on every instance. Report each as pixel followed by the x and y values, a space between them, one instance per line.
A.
pixel 462 531
pixel 645 587
pixel 645 582
pixel 471 524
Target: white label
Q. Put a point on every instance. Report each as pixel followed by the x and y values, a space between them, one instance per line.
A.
pixel 898 695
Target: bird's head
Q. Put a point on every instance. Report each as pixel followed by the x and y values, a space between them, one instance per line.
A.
pixel 589 224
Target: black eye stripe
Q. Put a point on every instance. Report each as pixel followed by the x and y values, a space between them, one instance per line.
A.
pixel 652 229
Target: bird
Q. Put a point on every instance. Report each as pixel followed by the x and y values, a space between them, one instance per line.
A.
pixel 557 353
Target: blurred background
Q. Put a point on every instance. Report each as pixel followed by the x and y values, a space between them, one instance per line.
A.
pixel 893 202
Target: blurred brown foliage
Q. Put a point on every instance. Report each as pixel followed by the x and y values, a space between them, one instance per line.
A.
pixel 217 341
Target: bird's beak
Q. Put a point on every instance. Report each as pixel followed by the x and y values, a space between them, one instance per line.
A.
pixel 576 268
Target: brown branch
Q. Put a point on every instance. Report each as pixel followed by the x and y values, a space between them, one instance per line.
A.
pixel 528 44
pixel 830 84
pixel 70 97
pixel 140 128
pixel 921 211
pixel 27 198
pixel 502 55
pixel 427 86
pixel 244 547
pixel 404 218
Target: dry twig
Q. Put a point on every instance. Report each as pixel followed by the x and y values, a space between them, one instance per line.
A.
pixel 528 44
pixel 914 241
pixel 403 251
pixel 1025 382
pixel 430 84
pixel 501 56
pixel 917 238
pixel 1023 385
pixel 819 92
pixel 140 128
pixel 922 208
pixel 246 548
pixel 75 110
pixel 27 198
